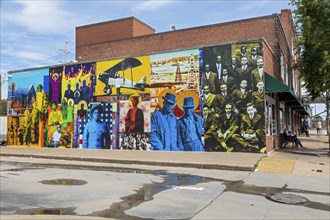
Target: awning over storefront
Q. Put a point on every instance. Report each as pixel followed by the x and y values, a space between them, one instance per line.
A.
pixel 286 94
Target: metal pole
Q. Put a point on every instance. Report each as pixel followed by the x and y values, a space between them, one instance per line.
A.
pixel 65 51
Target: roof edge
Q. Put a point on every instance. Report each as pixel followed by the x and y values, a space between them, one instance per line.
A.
pixel 185 29
pixel 113 21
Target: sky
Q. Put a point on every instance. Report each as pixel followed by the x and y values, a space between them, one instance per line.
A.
pixel 33 32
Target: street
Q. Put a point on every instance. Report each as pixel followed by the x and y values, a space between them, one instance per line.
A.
pixel 32 187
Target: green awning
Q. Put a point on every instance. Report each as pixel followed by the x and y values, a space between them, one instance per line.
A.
pixel 286 94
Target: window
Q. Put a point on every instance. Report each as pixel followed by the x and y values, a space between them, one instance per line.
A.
pixel 274 130
pixel 271 123
pixel 267 119
pixel 282 66
pixel 282 117
pixel 286 73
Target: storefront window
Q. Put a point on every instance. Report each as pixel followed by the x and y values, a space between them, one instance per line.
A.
pixel 282 123
pixel 271 122
pixel 282 67
pixel 267 119
pixel 274 130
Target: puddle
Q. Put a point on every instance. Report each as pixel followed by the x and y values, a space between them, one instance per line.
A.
pixel 19 169
pixel 14 174
pixel 66 182
pixel 50 212
pixel 170 181
pixel 146 193
pixel 58 211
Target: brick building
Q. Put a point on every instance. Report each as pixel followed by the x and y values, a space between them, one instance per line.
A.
pixel 275 34
pixel 263 96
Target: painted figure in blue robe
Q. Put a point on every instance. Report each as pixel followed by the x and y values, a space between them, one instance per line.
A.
pixel 190 127
pixel 86 92
pixel 96 133
pixel 164 127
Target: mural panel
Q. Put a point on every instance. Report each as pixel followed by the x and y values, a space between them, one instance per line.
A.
pixel 58 130
pixel 233 98
pixel 176 124
pixel 79 82
pixel 128 80
pixel 95 130
pixel 56 75
pixel 124 75
pixel 27 104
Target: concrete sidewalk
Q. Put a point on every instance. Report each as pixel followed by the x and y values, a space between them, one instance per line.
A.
pixel 311 160
pixel 278 161
pixel 313 145
pixel 202 160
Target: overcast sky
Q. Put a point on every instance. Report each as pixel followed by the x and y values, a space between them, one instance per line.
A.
pixel 33 31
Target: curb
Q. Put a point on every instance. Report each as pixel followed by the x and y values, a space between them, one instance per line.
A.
pixel 303 153
pixel 136 162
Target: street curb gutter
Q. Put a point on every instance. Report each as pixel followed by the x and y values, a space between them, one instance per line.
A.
pixel 136 162
pixel 302 153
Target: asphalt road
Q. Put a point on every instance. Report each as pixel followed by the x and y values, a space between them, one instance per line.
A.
pixel 34 189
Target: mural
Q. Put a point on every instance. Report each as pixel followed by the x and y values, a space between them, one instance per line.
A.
pixel 78 82
pixel 123 76
pixel 95 130
pixel 175 122
pixel 127 81
pixel 207 99
pixel 28 106
pixel 233 98
pixel 55 83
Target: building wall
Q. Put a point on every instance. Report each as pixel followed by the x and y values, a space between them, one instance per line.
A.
pixel 140 29
pixel 182 39
pixel 132 38
pixel 55 107
pixel 111 31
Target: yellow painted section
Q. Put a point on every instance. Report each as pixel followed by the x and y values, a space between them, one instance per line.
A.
pixel 138 73
pixel 276 165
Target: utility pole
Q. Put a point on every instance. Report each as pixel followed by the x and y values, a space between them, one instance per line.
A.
pixel 327 104
pixel 1 93
pixel 65 51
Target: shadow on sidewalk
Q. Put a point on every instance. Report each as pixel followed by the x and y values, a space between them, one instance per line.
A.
pixel 313 145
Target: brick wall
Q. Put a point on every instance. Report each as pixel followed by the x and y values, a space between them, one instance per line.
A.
pixel 182 39
pixel 111 30
pixel 140 29
pixel 269 143
pixel 276 33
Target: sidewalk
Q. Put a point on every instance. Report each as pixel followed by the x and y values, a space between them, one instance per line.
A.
pixel 311 160
pixel 202 160
pixel 278 161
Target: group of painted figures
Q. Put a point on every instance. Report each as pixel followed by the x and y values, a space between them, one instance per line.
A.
pixel 233 103
pixel 27 132
pixel 233 107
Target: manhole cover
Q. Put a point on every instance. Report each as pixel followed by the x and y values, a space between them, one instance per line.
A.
pixel 69 182
pixel 287 198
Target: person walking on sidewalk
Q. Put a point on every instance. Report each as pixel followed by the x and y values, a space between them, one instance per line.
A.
pixel 319 128
pixel 290 136
pixel 305 127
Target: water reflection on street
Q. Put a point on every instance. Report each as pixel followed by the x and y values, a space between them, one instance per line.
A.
pixel 160 181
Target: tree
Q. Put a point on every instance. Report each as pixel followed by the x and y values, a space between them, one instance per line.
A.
pixel 312 18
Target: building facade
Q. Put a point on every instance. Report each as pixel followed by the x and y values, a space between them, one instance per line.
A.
pixel 128 74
